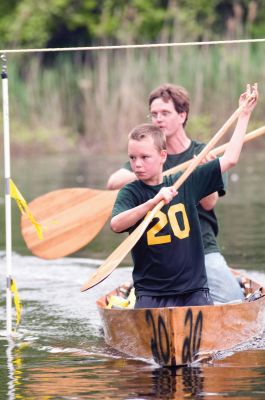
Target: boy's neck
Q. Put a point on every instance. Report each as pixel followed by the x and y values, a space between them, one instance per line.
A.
pixel 178 143
pixel 155 180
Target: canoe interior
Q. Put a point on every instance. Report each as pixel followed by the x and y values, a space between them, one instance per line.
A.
pixel 249 286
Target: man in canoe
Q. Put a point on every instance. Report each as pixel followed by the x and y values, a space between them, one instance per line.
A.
pixel 169 109
pixel 169 264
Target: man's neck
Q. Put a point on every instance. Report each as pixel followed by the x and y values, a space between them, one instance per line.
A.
pixel 178 143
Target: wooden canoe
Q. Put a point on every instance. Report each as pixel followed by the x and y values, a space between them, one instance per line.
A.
pixel 180 335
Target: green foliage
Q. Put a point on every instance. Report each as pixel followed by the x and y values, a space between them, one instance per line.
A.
pixel 62 23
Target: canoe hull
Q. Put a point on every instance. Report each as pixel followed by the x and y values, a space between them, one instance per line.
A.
pixel 180 335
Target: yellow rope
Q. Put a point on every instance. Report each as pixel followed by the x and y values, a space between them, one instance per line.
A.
pixel 24 208
pixel 17 302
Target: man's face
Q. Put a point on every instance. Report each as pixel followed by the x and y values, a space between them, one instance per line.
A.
pixel 164 115
pixel 146 160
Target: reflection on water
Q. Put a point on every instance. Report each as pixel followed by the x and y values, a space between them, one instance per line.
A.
pixel 59 351
pixel 79 377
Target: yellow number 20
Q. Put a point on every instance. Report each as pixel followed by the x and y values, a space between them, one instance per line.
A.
pixel 177 209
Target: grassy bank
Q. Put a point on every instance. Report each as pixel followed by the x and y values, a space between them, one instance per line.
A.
pixel 92 104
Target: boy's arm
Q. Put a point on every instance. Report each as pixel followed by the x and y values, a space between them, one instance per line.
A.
pixel 129 218
pixel 233 150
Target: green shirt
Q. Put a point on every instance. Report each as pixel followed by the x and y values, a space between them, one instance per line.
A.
pixel 168 258
pixel 208 220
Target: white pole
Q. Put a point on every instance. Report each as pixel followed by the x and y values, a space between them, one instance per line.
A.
pixel 7 197
pixel 11 369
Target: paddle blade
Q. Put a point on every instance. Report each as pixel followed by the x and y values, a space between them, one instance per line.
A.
pixel 70 218
pixel 122 250
pixel 112 261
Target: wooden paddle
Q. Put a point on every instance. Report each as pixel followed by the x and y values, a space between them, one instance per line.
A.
pixel 123 249
pixel 72 217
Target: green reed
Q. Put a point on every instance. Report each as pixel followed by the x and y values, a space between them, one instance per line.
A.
pixel 93 100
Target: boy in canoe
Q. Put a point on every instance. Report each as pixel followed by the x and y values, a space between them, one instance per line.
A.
pixel 169 106
pixel 169 268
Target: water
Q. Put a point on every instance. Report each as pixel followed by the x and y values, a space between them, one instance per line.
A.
pixel 59 350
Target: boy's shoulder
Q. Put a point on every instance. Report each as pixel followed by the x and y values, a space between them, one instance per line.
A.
pixel 169 180
pixel 197 146
pixel 134 185
pixel 132 188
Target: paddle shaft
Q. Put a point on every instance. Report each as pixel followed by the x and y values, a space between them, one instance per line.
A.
pixel 123 249
pixel 217 151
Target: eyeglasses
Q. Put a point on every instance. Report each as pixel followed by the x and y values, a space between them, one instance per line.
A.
pixel 155 115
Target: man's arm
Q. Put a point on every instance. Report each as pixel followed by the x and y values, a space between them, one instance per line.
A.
pixel 209 202
pixel 120 178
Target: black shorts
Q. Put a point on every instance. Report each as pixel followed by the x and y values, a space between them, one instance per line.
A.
pixel 198 298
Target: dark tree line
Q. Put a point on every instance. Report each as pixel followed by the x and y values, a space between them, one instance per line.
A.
pixel 64 23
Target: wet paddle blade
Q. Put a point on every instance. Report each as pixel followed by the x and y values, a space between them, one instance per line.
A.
pixel 70 218
pixel 118 255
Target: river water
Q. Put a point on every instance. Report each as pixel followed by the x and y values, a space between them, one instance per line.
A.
pixel 59 350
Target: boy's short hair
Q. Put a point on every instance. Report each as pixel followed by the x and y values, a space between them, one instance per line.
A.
pixel 143 131
pixel 178 94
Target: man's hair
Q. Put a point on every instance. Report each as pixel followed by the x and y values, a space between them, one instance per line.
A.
pixel 143 131
pixel 178 94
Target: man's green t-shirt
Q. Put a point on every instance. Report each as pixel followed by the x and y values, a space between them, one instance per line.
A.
pixel 169 258
pixel 208 220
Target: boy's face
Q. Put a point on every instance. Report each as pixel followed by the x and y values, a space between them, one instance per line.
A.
pixel 146 160
pixel 164 115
